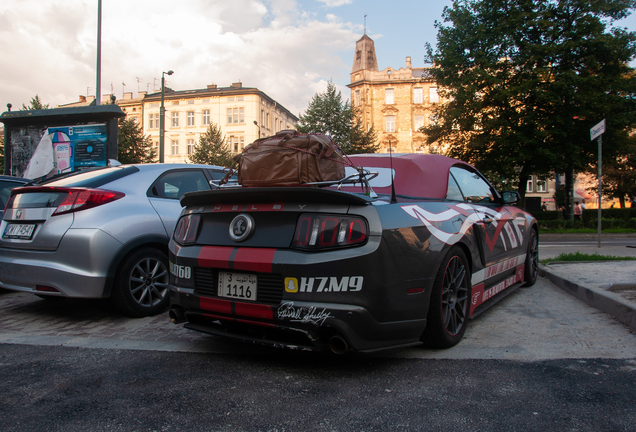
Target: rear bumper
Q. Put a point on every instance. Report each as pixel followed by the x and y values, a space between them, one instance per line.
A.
pixel 294 324
pixel 78 268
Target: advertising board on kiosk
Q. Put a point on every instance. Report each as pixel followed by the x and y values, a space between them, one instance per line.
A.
pixel 78 147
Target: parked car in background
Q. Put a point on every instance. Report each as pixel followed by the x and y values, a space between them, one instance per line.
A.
pixel 98 233
pixel 7 183
pixel 405 258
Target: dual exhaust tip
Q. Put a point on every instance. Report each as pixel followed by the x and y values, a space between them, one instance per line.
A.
pixel 177 316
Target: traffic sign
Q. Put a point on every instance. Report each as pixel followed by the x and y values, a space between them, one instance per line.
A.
pixel 597 130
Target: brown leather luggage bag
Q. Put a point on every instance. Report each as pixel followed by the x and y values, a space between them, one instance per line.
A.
pixel 291 159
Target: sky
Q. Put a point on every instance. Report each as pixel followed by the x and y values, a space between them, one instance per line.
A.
pixel 288 49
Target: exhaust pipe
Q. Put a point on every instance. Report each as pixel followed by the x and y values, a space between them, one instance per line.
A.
pixel 176 315
pixel 338 345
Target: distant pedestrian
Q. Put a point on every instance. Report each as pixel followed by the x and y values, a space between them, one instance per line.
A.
pixel 583 207
pixel 577 211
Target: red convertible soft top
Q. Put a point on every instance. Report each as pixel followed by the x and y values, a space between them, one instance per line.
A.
pixel 416 175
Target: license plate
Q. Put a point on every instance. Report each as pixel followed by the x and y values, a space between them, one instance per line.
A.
pixel 19 231
pixel 238 286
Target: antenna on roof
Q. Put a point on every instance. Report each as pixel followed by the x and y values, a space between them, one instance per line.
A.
pixel 393 196
pixel 365 24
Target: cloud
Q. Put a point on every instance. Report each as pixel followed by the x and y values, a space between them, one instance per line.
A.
pixel 335 3
pixel 272 45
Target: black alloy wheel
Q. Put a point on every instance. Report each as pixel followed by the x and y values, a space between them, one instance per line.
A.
pixel 141 286
pixel 531 268
pixel 449 306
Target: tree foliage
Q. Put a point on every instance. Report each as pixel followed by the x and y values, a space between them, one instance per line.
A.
pixel 525 81
pixel 133 146
pixel 211 149
pixel 619 174
pixel 327 113
pixel 35 104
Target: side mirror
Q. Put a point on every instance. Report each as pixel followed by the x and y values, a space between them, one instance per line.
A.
pixel 510 197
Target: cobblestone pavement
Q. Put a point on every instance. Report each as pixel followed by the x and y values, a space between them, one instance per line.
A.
pixel 542 322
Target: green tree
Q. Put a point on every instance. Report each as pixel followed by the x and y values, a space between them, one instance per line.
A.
pixel 327 113
pixel 133 146
pixel 36 104
pixel 211 149
pixel 525 80
pixel 619 173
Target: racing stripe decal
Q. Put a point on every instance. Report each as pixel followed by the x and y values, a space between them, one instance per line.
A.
pixel 213 305
pixel 495 269
pixel 258 260
pixel 254 311
pixel 480 295
pixel 215 256
pixel 254 259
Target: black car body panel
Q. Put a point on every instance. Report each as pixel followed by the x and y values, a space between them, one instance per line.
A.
pixel 363 296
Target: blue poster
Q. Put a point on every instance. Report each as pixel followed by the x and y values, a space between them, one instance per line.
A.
pixel 77 147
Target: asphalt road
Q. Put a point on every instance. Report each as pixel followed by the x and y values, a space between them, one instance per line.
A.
pixel 539 360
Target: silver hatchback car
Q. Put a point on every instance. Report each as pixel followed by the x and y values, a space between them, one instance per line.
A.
pixel 99 233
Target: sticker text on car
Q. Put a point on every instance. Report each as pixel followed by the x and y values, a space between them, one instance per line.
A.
pixel 324 284
pixel 182 272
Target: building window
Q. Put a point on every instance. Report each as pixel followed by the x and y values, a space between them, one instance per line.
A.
pixel 242 143
pixel 432 95
pixel 529 186
pixel 151 122
pixel 235 115
pixel 190 102
pixel 206 117
pixel 175 119
pixel 241 115
pixel 541 186
pixel 389 98
pixel 230 99
pixel 239 99
pixel 418 122
pixel 418 95
pixel 175 102
pixel 190 118
pixel 205 100
pixel 357 97
pixel 432 119
pixel 175 147
pixel 262 117
pixel 230 141
pixel 390 123
pixel 190 143
pixel 267 121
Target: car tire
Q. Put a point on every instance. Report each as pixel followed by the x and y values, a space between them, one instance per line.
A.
pixel 531 268
pixel 450 302
pixel 141 284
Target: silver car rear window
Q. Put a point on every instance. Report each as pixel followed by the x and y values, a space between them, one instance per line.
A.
pixel 93 178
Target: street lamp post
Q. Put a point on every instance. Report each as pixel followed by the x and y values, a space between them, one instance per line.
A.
pixel 162 115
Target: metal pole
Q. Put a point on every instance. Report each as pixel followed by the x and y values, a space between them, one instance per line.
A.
pixel 98 85
pixel 162 113
pixel 600 184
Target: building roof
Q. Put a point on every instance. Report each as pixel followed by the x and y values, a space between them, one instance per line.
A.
pixel 69 115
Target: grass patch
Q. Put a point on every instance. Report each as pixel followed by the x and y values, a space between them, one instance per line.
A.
pixel 588 231
pixel 578 256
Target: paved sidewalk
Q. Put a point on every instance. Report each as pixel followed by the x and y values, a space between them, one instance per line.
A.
pixel 609 286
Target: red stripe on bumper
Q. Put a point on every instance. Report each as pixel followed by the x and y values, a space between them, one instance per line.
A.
pixel 254 259
pixel 215 256
pixel 212 305
pixel 254 311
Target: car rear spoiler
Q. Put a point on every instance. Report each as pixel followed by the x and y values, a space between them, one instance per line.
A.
pixel 256 195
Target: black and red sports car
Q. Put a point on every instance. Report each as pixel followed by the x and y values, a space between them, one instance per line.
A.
pixel 406 258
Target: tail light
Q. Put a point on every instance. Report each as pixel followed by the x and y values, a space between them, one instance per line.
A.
pixel 66 200
pixel 187 229
pixel 317 231
pixel 82 199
